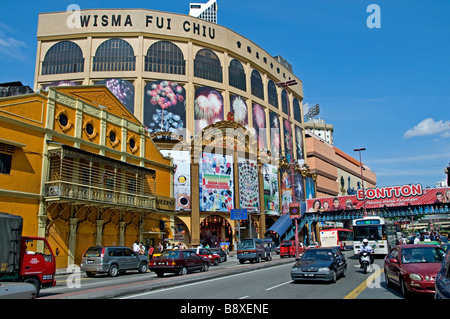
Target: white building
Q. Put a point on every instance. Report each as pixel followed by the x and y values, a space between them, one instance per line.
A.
pixel 205 11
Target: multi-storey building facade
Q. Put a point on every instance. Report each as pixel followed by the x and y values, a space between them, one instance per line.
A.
pixel 82 171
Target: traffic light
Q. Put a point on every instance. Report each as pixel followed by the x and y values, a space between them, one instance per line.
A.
pixel 162 225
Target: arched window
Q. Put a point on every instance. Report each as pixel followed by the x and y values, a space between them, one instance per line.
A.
pixel 114 55
pixel 297 111
pixel 165 57
pixel 63 57
pixel 236 75
pixel 207 66
pixel 272 92
pixel 257 85
pixel 284 102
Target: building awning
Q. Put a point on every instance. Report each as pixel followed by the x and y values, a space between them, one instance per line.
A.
pixel 281 225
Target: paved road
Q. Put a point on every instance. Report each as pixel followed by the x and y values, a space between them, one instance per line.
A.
pixel 275 283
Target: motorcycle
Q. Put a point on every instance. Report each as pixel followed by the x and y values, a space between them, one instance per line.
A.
pixel 365 261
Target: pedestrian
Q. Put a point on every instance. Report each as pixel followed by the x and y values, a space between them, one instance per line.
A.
pixel 417 239
pixel 141 249
pixel 136 247
pixel 150 252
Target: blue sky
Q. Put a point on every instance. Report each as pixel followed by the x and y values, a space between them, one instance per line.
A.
pixel 386 89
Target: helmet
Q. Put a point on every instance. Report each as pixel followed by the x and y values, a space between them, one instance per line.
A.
pixel 365 241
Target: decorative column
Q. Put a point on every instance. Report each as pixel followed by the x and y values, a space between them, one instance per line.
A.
pixel 99 238
pixel 72 240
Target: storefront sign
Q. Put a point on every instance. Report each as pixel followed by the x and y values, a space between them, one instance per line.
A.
pixel 382 197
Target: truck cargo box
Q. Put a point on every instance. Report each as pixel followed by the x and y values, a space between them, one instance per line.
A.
pixel 10 239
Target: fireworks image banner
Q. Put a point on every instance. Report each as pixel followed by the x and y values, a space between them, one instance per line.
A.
pixel 216 183
pixel 208 107
pixel 164 107
pixel 122 89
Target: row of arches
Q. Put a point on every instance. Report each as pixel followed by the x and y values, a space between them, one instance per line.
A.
pixel 163 56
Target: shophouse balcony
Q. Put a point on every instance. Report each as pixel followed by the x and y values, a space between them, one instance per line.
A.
pixel 80 177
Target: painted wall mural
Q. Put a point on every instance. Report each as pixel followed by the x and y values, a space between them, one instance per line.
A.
pixel 216 183
pixel 165 107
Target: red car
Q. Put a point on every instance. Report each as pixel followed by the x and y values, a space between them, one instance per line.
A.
pixel 413 267
pixel 213 258
pixel 177 261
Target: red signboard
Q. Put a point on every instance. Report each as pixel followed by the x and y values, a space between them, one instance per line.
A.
pixel 380 197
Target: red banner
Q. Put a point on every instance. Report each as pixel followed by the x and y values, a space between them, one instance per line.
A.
pixel 379 197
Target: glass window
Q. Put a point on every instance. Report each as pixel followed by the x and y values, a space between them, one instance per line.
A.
pixel 165 57
pixel 114 55
pixel 236 75
pixel 257 85
pixel 207 66
pixel 272 91
pixel 63 57
pixel 5 163
pixel 284 102
pixel 297 111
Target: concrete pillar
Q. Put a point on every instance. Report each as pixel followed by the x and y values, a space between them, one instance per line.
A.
pixel 121 233
pixel 72 240
pixel 99 238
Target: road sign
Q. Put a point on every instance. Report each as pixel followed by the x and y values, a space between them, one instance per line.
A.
pixel 294 210
pixel 237 214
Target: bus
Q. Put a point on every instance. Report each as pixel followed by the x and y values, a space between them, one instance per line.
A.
pixel 336 237
pixel 374 229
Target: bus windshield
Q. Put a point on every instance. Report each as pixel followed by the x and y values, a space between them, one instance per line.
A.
pixel 373 232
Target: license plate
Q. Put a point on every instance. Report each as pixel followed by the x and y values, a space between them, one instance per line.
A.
pixel 90 261
pixel 308 275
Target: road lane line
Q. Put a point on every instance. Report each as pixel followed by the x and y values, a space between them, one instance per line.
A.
pixel 358 290
pixel 284 283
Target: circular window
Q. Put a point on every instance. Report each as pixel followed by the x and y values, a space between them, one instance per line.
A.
pixel 63 119
pixel 132 143
pixel 89 129
pixel 112 136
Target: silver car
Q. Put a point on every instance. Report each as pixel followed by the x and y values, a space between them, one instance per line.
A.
pixel 112 260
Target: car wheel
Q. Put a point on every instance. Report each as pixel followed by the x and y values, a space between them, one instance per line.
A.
pixel 159 273
pixel 258 259
pixel 334 277
pixel 36 284
pixel 90 274
pixel 205 267
pixel 183 271
pixel 241 261
pixel 143 267
pixel 344 272
pixel 386 278
pixel 113 271
pixel 216 262
pixel 405 291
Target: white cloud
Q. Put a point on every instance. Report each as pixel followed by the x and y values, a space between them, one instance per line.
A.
pixel 429 127
pixel 10 46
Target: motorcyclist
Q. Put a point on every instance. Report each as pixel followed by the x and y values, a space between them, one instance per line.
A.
pixel 365 247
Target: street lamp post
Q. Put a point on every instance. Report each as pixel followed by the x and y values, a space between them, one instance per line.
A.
pixel 285 85
pixel 362 178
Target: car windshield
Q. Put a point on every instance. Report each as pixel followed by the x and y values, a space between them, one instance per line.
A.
pixel 170 254
pixel 317 255
pixel 422 255
pixel 286 244
pixel 246 244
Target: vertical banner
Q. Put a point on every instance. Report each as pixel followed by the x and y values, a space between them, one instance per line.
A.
pixel 216 183
pixel 181 178
pixel 164 107
pixel 275 139
pixel 286 189
pixel 248 183
pixel 271 195
pixel 208 108
pixel 259 125
pixel 239 109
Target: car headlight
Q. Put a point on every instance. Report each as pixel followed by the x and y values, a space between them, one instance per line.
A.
pixel 294 268
pixel 324 269
pixel 415 277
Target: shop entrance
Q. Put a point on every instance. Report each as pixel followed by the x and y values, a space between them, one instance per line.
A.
pixel 215 230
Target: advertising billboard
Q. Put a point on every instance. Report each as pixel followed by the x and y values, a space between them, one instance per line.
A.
pixel 216 183
pixel 391 196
